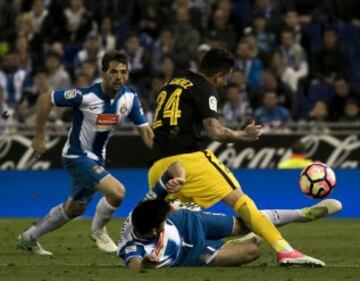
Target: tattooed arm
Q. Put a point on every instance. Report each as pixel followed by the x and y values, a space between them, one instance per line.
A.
pixel 217 132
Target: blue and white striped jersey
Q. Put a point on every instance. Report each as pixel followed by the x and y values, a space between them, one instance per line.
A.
pixel 94 117
pixel 131 246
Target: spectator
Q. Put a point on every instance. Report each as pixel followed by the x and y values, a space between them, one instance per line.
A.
pixel 221 30
pixel 163 46
pixel 285 73
pixel 139 59
pixel 12 79
pixel 6 114
pixel 319 112
pixel 91 51
pixel 297 159
pixel 294 55
pixel 82 80
pixel 24 54
pixel 343 91
pixel 269 82
pixel 107 38
pixel 156 83
pixel 251 66
pixel 271 115
pixel 7 25
pixel 168 67
pixel 351 111
pixel 271 11
pixel 59 78
pixel 26 112
pixel 330 60
pixel 37 15
pixel 90 69
pixel 264 38
pixel 236 106
pixel 78 22
pixel 186 39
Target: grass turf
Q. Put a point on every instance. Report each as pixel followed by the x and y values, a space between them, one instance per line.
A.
pixel 77 258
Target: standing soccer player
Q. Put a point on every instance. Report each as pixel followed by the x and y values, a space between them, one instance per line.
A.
pixel 97 109
pixel 186 105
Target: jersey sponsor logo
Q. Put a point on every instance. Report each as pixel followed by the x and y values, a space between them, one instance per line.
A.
pixel 98 169
pixel 70 94
pixel 105 122
pixel 130 249
pixel 213 104
pixel 107 119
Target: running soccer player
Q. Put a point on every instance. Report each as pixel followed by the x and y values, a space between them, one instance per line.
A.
pixel 154 236
pixel 97 109
pixel 186 105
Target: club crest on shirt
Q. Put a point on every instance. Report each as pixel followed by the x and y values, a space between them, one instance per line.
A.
pixel 123 109
pixel 130 249
pixel 98 169
pixel 70 94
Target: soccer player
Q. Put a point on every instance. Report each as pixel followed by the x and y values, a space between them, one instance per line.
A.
pixel 97 109
pixel 187 104
pixel 154 236
pixel 297 160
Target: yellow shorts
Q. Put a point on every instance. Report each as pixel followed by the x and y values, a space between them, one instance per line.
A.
pixel 207 180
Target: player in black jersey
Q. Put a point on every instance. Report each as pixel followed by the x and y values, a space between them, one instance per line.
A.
pixel 185 106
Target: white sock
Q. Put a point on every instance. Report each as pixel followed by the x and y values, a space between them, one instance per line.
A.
pixel 282 217
pixel 104 212
pixel 53 220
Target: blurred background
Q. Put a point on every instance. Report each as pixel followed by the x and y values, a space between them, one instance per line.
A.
pixel 297 73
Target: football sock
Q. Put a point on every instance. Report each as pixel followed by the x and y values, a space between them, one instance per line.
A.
pixel 103 214
pixel 53 220
pixel 282 217
pixel 260 224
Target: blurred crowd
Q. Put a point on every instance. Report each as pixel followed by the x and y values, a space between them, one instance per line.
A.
pixel 295 59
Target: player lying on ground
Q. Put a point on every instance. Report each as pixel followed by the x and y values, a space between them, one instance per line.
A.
pixel 156 236
pixel 96 109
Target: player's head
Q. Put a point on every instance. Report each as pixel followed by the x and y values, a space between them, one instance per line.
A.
pixel 298 147
pixel 115 71
pixel 216 65
pixel 148 218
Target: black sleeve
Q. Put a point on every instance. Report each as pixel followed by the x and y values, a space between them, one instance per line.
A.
pixel 206 101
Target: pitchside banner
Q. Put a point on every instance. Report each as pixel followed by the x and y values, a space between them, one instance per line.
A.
pixel 338 151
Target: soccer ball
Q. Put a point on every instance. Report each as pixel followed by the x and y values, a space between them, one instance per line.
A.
pixel 317 180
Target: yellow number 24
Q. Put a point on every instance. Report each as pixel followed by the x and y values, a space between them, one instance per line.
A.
pixel 171 109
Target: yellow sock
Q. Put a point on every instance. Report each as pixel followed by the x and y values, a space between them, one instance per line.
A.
pixel 259 223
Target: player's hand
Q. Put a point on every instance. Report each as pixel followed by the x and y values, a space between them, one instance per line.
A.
pixel 175 184
pixel 252 132
pixel 38 144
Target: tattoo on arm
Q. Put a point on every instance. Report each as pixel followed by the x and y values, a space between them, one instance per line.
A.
pixel 216 131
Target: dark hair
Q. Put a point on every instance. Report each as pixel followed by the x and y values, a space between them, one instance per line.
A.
pixel 117 56
pixel 149 214
pixel 53 54
pixel 216 60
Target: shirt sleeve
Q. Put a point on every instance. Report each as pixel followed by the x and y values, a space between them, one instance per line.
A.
pixel 67 98
pixel 131 250
pixel 136 114
pixel 206 102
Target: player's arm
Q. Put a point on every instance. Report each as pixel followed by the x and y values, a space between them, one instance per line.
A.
pixel 69 98
pixel 147 135
pixel 43 110
pixel 218 132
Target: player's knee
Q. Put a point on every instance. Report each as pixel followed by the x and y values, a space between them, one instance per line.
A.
pixel 117 195
pixel 74 209
pixel 253 252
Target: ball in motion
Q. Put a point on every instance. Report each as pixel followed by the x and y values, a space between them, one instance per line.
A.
pixel 317 180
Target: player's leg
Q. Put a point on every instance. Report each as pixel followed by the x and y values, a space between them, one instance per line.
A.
pixel 236 253
pixel 114 193
pixel 57 217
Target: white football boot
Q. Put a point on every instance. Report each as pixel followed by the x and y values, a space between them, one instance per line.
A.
pixel 32 246
pixel 103 241
pixel 322 209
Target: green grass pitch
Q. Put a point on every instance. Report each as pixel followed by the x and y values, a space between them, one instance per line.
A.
pixel 77 258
